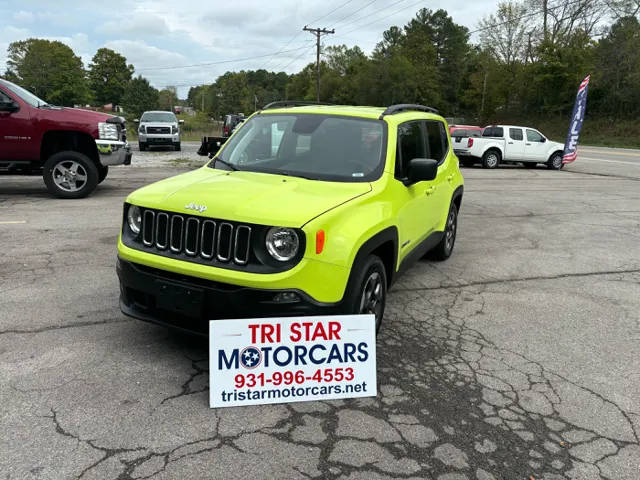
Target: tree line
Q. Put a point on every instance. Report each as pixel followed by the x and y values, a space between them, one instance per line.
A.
pixel 525 60
pixel 52 71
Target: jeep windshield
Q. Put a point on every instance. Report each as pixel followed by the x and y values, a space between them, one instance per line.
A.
pixel 159 117
pixel 318 147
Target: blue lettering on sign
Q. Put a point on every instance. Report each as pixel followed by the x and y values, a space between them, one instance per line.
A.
pixel 284 356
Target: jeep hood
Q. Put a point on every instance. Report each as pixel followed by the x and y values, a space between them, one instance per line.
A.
pixel 249 197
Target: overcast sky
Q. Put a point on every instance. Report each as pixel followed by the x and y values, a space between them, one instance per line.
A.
pixel 157 34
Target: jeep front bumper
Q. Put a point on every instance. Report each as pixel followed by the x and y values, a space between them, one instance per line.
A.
pixel 113 152
pixel 188 303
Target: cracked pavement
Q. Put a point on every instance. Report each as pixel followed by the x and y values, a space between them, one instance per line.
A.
pixel 519 358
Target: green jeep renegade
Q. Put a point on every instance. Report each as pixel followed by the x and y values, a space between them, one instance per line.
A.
pixel 305 210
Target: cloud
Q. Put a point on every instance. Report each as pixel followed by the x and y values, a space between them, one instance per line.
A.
pixel 23 17
pixel 137 24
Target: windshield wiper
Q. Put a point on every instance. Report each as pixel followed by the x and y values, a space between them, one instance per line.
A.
pixel 289 174
pixel 224 162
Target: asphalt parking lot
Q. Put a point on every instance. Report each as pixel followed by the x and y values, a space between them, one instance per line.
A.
pixel 519 358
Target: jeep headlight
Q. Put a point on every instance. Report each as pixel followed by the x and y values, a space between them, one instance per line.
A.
pixel 134 219
pixel 107 131
pixel 282 243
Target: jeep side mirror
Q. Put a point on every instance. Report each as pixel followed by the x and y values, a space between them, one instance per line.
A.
pixel 10 107
pixel 180 121
pixel 422 169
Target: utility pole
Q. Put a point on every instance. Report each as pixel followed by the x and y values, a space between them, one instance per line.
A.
pixel 318 32
pixel 545 12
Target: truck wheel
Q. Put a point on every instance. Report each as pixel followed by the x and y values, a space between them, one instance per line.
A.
pixel 490 159
pixel 178 147
pixel 102 173
pixel 70 175
pixel 555 162
pixel 443 250
pixel 142 146
pixel 368 290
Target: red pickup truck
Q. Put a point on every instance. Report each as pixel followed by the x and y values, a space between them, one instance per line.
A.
pixel 72 148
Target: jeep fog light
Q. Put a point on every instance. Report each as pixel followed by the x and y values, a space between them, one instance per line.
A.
pixel 282 243
pixel 286 297
pixel 134 219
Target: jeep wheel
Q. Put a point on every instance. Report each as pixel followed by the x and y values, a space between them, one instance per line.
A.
pixel 102 173
pixel 443 250
pixel 555 162
pixel 368 293
pixel 70 175
pixel 529 164
pixel 490 159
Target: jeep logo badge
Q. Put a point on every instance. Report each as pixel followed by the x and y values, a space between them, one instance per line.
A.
pixel 193 206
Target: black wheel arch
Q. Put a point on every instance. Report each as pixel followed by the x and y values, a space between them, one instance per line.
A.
pixel 557 152
pixel 383 244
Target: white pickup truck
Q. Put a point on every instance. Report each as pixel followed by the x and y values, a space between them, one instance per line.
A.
pixel 508 144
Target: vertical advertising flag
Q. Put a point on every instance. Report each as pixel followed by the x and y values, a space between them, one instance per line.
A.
pixel 577 117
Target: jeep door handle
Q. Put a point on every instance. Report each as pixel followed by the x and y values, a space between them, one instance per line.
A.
pixel 430 190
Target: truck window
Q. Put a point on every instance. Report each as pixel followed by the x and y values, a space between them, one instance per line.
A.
pixel 436 140
pixel 515 134
pixel 494 132
pixel 533 136
pixel 410 146
pixel 5 98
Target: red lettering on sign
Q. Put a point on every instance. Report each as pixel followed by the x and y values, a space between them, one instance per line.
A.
pixel 309 331
pixel 268 333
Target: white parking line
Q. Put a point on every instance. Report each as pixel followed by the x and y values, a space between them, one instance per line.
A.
pixel 12 222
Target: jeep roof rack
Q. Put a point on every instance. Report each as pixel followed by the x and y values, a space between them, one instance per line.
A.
pixel 291 103
pixel 406 107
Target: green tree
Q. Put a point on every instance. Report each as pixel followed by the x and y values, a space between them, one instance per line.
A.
pixel 167 99
pixel 109 75
pixel 49 69
pixel 139 96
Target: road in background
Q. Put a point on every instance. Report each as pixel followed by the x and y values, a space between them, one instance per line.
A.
pixel 515 359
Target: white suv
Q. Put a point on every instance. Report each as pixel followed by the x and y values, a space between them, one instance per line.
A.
pixel 158 128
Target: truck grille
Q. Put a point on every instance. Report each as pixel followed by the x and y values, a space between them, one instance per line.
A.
pixel 156 130
pixel 196 237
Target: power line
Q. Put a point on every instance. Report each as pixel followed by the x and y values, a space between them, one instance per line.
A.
pixel 354 12
pixel 218 62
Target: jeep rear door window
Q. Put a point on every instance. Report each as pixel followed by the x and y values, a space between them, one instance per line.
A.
pixel 437 144
pixel 160 117
pixel 410 146
pixel 319 147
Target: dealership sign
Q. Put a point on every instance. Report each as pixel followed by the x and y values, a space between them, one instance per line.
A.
pixel 293 359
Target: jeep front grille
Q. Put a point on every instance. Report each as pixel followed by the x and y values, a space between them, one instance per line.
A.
pixel 196 237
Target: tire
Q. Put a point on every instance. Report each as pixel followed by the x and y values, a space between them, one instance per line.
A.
pixel 177 147
pixel 555 162
pixel 102 173
pixel 142 146
pixel 368 289
pixel 443 250
pixel 70 175
pixel 529 164
pixel 490 159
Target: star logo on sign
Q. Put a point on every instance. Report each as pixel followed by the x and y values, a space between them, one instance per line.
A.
pixel 250 357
